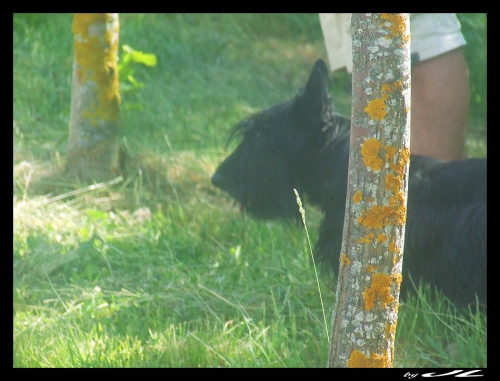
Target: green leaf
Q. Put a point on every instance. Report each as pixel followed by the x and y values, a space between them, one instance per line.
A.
pixel 147 59
pixel 133 81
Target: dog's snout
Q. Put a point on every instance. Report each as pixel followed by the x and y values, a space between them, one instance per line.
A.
pixel 217 179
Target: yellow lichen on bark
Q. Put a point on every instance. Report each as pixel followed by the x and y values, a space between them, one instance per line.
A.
pixel 397 209
pixel 390 151
pixel 393 248
pixel 396 259
pixel 372 218
pixel 386 88
pixel 392 183
pixel 358 196
pixel 344 260
pixel 397 25
pixel 376 109
pixel 370 150
pixel 96 49
pixel 377 216
pixel 367 238
pixel 390 331
pixel 398 85
pixel 380 289
pixel 404 158
pixel 397 278
pixel 358 360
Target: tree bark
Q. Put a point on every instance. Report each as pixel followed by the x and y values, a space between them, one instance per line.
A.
pixel 93 144
pixel 365 316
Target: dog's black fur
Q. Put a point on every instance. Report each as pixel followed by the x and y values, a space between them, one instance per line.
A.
pixel 304 144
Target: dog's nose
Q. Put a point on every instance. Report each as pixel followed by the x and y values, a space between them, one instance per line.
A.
pixel 217 179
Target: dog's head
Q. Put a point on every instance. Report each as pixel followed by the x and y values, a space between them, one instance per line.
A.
pixel 277 147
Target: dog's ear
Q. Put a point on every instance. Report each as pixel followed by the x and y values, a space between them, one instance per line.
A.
pixel 310 103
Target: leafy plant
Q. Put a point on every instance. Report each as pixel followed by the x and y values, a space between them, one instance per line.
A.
pixel 126 70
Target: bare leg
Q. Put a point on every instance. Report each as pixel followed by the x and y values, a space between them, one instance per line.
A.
pixel 440 106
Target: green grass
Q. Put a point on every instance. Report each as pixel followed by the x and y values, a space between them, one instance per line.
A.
pixel 160 269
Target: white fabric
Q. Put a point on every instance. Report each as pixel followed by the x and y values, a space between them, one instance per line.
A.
pixel 432 34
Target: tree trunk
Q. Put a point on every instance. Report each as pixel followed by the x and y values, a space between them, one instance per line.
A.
pixel 93 144
pixel 365 316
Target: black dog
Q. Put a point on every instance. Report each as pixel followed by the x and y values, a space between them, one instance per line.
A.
pixel 304 144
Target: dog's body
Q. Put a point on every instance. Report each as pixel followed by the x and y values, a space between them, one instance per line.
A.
pixel 303 144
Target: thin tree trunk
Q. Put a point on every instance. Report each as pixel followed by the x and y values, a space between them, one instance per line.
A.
pixel 365 316
pixel 93 144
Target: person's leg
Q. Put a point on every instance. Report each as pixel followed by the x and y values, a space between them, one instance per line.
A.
pixel 440 106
